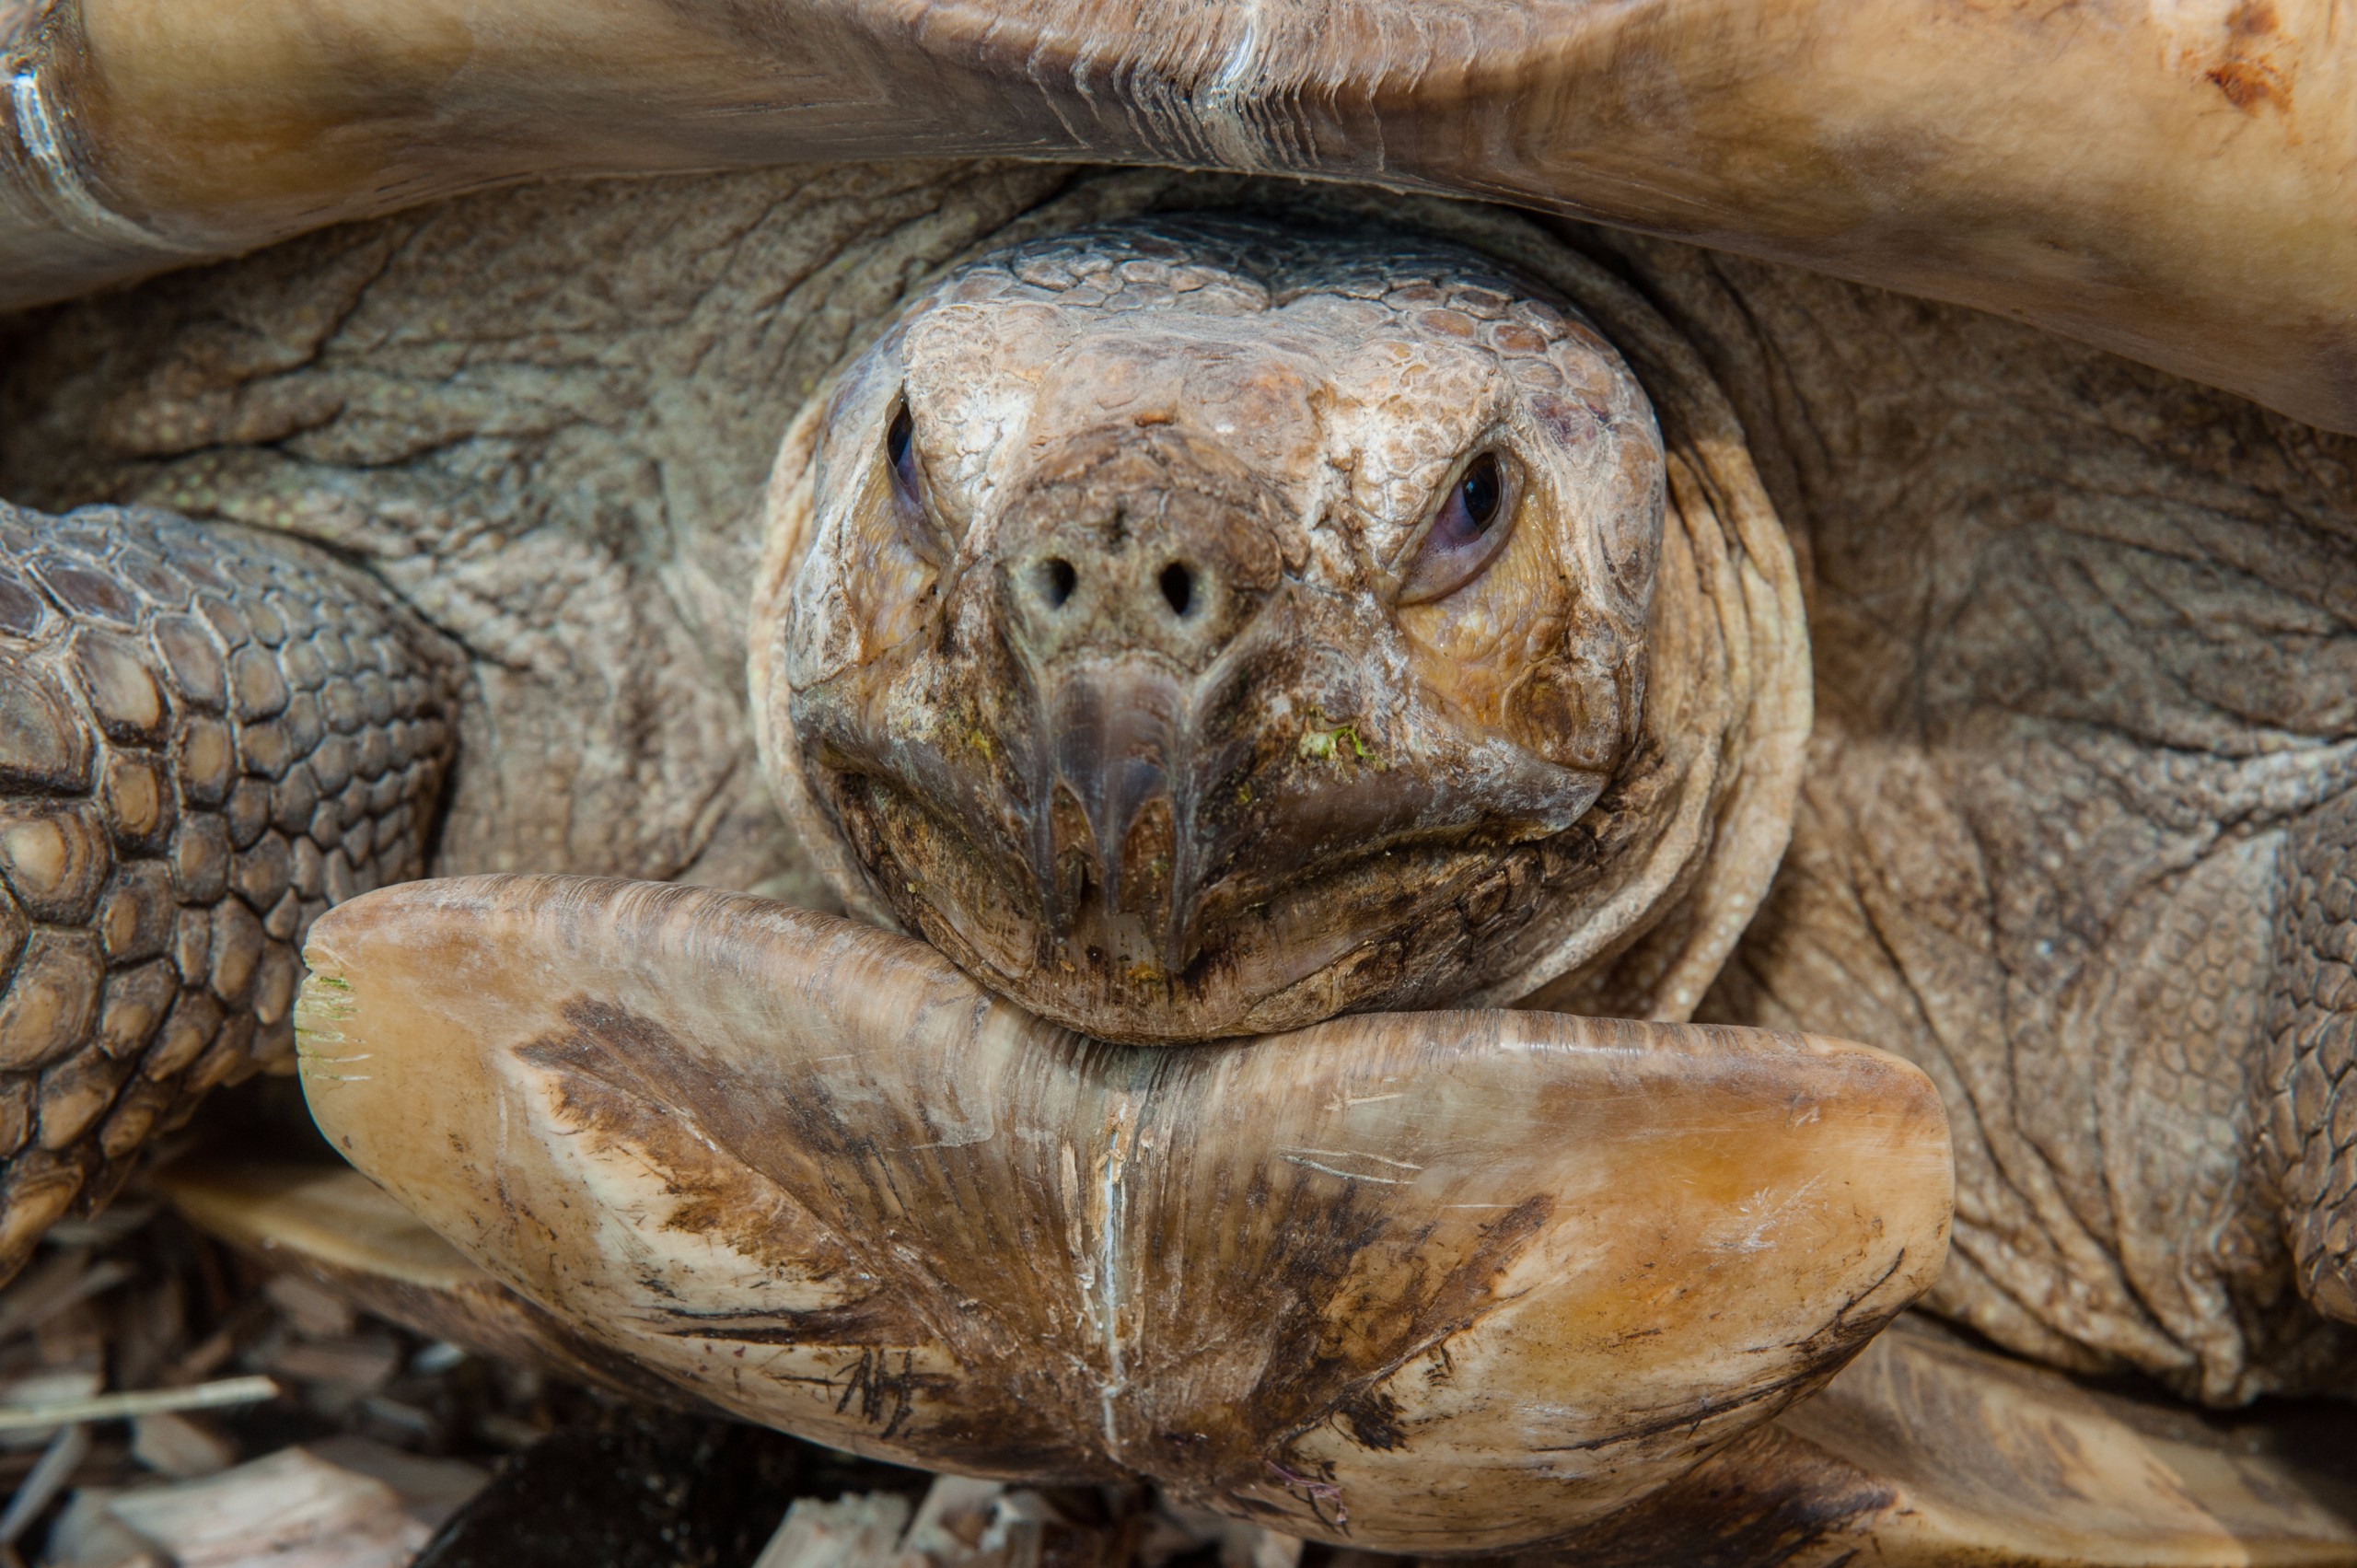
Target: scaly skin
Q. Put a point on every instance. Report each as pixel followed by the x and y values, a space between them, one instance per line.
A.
pixel 207 736
pixel 2079 631
pixel 523 574
pixel 2306 1118
pixel 2084 729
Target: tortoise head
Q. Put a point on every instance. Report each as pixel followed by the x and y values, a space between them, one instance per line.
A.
pixel 1206 625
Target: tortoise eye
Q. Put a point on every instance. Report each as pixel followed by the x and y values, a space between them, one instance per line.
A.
pixel 900 451
pixel 1472 525
pixel 917 527
pixel 1475 503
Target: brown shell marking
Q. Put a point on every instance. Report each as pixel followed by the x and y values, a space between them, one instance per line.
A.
pixel 1439 1281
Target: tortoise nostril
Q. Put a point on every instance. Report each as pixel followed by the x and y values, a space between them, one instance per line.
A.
pixel 1057 579
pixel 1178 589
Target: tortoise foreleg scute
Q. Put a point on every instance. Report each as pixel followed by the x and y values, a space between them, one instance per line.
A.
pixel 2308 1126
pixel 207 736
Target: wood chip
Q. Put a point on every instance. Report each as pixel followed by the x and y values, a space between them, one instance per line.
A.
pixel 217 1347
pixel 55 1286
pixel 964 1523
pixel 397 1422
pixel 1241 1543
pixel 357 1362
pixel 85 1535
pixel 956 1513
pixel 309 1310
pixel 863 1530
pixel 108 1228
pixel 115 1407
pixel 40 1390
pixel 429 1490
pixel 291 1509
pixel 180 1446
pixel 49 1279
pixel 49 1478
pixel 509 1432
pixel 149 1328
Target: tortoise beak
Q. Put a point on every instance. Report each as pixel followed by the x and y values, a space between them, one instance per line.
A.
pixel 1417 1282
pixel 1122 776
pixel 1136 572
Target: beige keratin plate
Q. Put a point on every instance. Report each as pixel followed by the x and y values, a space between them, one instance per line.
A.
pixel 2170 181
pixel 1924 1452
pixel 1418 1280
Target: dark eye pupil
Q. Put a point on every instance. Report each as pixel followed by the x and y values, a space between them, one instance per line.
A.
pixel 897 441
pixel 1480 490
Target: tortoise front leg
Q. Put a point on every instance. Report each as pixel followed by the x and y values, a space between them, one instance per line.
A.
pixel 2308 1124
pixel 207 736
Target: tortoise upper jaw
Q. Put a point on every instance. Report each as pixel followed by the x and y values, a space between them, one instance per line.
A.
pixel 1115 812
pixel 1148 857
pixel 1137 579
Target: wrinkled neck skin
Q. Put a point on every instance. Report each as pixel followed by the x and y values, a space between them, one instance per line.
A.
pixel 1207 623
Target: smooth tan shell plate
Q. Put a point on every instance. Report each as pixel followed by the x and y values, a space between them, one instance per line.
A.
pixel 1432 1281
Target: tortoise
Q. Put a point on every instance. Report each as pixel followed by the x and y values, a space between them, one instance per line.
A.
pixel 1203 607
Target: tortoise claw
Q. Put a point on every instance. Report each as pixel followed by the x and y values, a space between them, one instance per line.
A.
pixel 1444 1281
